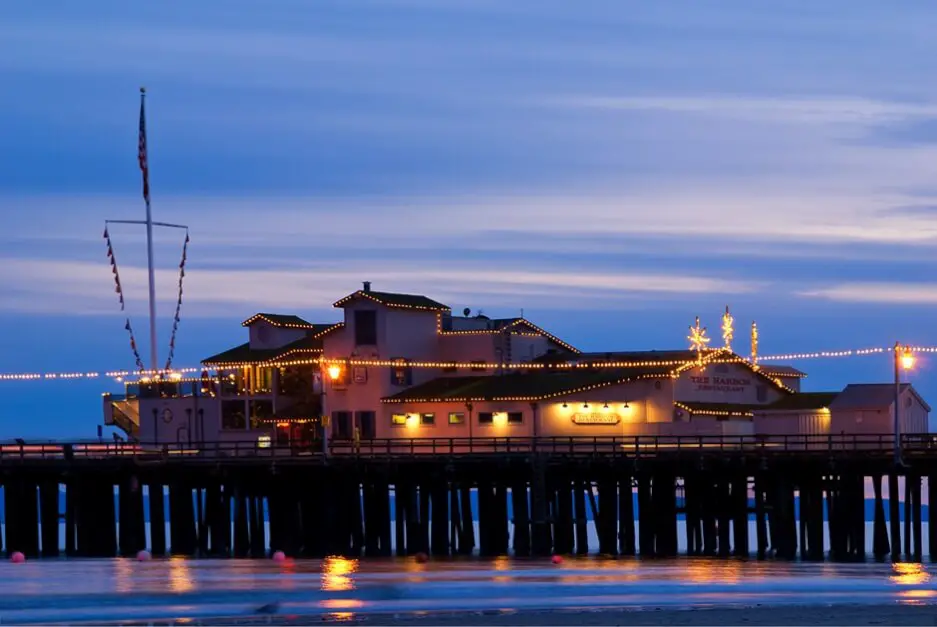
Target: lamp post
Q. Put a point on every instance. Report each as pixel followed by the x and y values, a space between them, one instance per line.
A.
pixel 333 372
pixel 904 360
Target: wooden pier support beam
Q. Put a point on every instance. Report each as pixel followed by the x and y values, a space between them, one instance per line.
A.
pixel 894 517
pixel 932 520
pixel 242 539
pixel 563 517
pixel 182 534
pixel 761 525
pixel 607 516
pixel 665 505
pixel 49 517
pixel 132 530
pixel 439 495
pixel 740 516
pixel 880 546
pixel 647 520
pixel 157 516
pixel 522 527
pixel 540 530
pixel 723 505
pixel 917 549
pixel 626 542
pixel 908 502
pixel 581 517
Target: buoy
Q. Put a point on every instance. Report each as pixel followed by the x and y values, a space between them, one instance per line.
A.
pixel 557 559
pixel 422 558
pixel 278 556
pixel 143 555
pixel 17 557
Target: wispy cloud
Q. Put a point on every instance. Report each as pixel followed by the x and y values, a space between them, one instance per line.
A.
pixel 897 293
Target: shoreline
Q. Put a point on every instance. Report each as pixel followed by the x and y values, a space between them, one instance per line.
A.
pixel 759 614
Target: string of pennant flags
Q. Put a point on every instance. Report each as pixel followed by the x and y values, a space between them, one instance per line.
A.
pixel 175 318
pixel 120 296
pixel 178 372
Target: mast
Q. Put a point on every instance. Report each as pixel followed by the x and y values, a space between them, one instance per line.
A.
pixel 144 166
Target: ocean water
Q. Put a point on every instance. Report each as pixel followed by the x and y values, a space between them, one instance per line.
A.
pixel 102 591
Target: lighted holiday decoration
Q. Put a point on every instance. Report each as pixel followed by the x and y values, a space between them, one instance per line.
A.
pixel 175 318
pixel 906 357
pixel 728 331
pixel 754 345
pixel 698 340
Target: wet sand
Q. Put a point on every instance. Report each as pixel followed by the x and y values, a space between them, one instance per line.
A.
pixel 763 615
pixel 759 615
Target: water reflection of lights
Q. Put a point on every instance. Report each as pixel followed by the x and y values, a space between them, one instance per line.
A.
pixel 335 573
pixel 180 579
pixel 341 604
pixel 123 576
pixel 908 574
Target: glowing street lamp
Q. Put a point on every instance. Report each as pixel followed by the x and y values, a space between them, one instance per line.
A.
pixel 335 372
pixel 904 360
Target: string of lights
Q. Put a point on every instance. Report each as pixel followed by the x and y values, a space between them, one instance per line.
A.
pixel 575 363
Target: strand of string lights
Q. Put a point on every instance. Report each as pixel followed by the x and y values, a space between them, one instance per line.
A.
pixel 575 363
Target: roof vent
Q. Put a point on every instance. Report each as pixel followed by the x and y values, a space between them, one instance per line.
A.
pixel 367 286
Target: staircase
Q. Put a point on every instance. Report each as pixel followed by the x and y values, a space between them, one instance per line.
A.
pixel 125 415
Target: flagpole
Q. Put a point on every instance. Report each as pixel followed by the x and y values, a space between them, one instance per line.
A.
pixel 154 360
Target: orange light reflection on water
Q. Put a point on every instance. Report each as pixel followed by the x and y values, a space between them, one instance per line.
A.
pixel 180 578
pixel 335 573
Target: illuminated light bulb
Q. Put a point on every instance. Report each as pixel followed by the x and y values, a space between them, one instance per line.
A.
pixel 334 372
pixel 412 421
pixel 907 360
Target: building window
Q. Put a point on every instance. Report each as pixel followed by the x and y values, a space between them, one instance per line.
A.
pixel 428 419
pixel 398 420
pixel 366 327
pixel 341 425
pixel 232 415
pixel 366 425
pixel 485 418
pixel 401 374
pixel 515 418
pixel 457 418
pixel 478 365
pixel 261 411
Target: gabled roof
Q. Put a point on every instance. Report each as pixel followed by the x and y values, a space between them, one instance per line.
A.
pixel 390 299
pixel 781 370
pixel 872 396
pixel 306 347
pixel 508 325
pixel 529 386
pixel 803 401
pixel 279 320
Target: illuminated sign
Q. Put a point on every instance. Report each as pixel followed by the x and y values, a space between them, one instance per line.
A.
pixel 596 418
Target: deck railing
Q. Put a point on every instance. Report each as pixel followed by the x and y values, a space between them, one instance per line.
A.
pixel 636 446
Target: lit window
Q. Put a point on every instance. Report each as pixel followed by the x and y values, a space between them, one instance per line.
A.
pixel 398 420
pixel 456 418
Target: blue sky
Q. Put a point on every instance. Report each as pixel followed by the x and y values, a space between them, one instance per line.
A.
pixel 613 168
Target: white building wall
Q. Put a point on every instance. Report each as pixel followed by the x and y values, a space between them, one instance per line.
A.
pixel 724 383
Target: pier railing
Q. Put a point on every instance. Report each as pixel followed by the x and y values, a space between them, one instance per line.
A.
pixel 599 446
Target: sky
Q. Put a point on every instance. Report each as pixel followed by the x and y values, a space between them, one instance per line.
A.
pixel 613 168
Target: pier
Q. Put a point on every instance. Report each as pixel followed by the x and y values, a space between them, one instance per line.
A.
pixel 339 503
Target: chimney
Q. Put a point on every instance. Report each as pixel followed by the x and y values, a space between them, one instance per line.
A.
pixel 367 286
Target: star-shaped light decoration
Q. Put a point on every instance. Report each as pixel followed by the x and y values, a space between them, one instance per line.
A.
pixel 728 330
pixel 698 340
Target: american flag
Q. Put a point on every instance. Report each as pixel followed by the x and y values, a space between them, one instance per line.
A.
pixel 141 151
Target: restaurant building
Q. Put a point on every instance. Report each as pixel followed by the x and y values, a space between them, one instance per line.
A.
pixel 402 366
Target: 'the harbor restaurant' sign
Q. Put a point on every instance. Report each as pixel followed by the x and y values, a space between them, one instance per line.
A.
pixel 596 418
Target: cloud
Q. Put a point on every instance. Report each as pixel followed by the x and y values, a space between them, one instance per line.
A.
pixel 87 287
pixel 882 293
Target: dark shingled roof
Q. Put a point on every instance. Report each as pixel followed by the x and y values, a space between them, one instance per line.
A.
pixel 245 354
pixel 781 370
pixel 279 320
pixel 390 299
pixel 803 400
pixel 739 409
pixel 528 385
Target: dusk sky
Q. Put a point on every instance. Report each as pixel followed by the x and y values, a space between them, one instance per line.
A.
pixel 613 168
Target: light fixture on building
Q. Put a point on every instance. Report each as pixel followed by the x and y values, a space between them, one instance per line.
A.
pixel 499 418
pixel 412 421
pixel 626 405
pixel 565 405
pixel 335 372
pixel 605 406
pixel 585 405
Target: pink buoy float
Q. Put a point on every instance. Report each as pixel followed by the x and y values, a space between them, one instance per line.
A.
pixel 17 558
pixel 143 556
pixel 557 559
pixel 278 556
